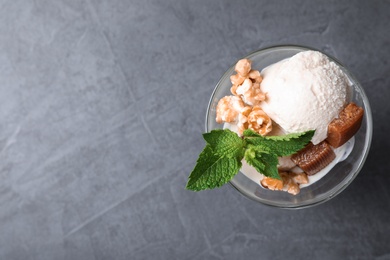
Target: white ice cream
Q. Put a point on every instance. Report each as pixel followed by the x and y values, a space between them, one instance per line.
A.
pixel 304 92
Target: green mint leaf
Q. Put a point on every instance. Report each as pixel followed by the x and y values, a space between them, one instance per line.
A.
pixel 270 161
pixel 250 133
pixel 283 145
pixel 213 170
pixel 262 160
pixel 225 143
pixel 252 158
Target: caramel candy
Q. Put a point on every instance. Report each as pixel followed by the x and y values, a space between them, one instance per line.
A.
pixel 341 129
pixel 314 158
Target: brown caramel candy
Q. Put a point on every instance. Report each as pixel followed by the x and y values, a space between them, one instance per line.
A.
pixel 341 129
pixel 314 158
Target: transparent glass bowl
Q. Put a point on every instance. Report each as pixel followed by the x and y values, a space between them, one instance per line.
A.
pixel 333 182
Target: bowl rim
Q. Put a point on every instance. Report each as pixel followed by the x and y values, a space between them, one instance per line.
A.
pixel 367 113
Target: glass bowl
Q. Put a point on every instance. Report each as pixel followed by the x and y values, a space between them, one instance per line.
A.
pixel 339 177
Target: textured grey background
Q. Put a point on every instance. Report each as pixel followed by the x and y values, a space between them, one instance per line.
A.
pixel 102 106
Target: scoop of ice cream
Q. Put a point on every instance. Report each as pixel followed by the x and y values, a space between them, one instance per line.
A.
pixel 304 92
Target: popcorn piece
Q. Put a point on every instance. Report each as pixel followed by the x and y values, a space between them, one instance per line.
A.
pixel 255 76
pixel 300 178
pixel 242 123
pixel 237 79
pixel 271 183
pixel 289 182
pixel 250 92
pixel 228 109
pixel 259 121
pixel 233 90
pixel 246 83
pixel 254 118
pixel 243 67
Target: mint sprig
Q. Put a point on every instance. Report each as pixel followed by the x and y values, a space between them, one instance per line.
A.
pixel 221 158
pixel 281 145
pixel 219 161
pixel 225 143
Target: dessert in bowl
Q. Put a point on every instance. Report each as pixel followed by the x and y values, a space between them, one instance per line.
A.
pixel 290 91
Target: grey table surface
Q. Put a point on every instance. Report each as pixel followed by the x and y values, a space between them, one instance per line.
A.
pixel 102 107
